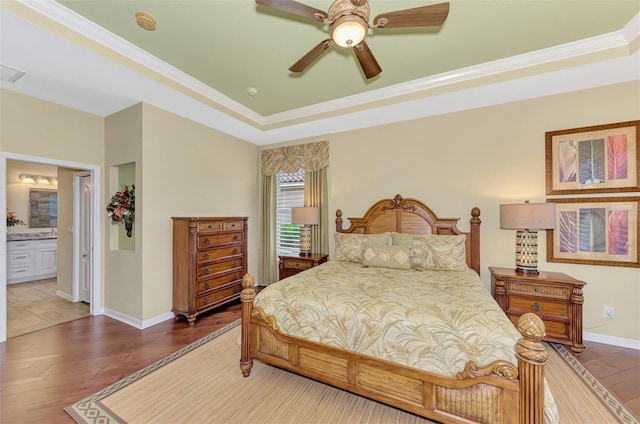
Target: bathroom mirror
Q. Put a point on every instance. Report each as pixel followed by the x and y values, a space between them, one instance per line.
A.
pixel 43 208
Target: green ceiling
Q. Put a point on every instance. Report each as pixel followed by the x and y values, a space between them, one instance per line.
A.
pixel 233 44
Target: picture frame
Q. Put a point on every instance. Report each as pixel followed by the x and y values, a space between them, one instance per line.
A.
pixel 43 208
pixel 596 159
pixel 595 231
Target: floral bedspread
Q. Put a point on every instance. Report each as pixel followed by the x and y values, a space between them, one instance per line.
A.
pixel 432 320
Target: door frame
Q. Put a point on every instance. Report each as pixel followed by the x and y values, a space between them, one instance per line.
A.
pixel 96 307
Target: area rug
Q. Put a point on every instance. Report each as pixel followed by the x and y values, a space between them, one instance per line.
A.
pixel 202 383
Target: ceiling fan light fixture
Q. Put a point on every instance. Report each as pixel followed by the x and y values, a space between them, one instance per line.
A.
pixel 349 30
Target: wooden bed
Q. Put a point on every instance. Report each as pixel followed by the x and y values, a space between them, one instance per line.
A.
pixel 499 392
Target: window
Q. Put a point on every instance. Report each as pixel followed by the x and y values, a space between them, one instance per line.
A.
pixel 290 194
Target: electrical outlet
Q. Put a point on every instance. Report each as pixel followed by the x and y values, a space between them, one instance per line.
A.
pixel 609 312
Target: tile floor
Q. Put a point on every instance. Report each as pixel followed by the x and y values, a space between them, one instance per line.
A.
pixel 34 305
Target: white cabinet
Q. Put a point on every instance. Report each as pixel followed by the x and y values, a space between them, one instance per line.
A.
pixel 46 257
pixel 29 260
pixel 21 261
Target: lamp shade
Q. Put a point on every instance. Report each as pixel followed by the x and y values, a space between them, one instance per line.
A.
pixel 528 216
pixel 304 216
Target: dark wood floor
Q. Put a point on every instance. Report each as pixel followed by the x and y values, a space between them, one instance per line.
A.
pixel 42 372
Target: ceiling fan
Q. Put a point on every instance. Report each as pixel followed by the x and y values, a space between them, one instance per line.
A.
pixel 348 22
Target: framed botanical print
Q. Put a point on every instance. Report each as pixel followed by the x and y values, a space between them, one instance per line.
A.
pixel 595 231
pixel 598 159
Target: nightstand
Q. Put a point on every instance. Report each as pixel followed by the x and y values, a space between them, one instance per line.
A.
pixel 553 296
pixel 291 265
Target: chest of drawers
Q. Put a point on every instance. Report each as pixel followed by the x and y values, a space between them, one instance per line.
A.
pixel 209 261
pixel 555 297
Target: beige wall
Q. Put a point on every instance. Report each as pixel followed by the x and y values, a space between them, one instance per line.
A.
pixel 38 128
pixel 123 267
pixel 190 170
pixel 483 158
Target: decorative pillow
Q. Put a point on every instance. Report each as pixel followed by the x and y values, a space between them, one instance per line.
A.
pixel 349 247
pixel 402 239
pixel 439 253
pixel 397 257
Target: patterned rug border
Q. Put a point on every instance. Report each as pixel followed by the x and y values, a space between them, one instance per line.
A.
pixel 612 403
pixel 91 409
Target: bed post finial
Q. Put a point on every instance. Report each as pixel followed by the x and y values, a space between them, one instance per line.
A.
pixel 532 357
pixel 246 296
pixel 339 221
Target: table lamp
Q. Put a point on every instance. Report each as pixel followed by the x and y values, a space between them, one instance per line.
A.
pixel 306 217
pixel 527 218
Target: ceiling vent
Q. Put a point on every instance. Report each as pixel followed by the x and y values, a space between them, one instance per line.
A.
pixel 10 74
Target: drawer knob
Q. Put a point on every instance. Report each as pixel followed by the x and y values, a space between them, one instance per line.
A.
pixel 536 289
pixel 207 241
pixel 206 255
pixel 536 307
pixel 233 225
pixel 236 289
pixel 206 300
pixel 235 276
pixel 235 263
pixel 236 237
pixel 210 227
pixel 206 285
pixel 235 250
pixel 206 270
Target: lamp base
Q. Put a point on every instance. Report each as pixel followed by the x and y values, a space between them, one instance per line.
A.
pixel 527 252
pixel 527 271
pixel 305 240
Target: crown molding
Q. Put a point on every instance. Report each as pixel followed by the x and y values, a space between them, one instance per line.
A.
pixel 83 26
pixel 89 29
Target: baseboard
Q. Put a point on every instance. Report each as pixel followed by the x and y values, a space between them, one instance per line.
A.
pixel 611 340
pixel 134 322
pixel 64 295
pixel 157 320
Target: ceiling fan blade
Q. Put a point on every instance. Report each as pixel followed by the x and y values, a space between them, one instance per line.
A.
pixel 433 15
pixel 367 61
pixel 294 7
pixel 313 54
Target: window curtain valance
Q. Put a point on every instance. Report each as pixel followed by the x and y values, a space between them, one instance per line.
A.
pixel 289 159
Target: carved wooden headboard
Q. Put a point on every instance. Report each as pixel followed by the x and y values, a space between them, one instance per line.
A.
pixel 411 216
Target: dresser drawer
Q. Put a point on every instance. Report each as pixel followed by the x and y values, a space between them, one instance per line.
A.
pixel 212 283
pixel 207 300
pixel 21 270
pixel 220 253
pixel 543 290
pixel 212 269
pixel 297 264
pixel 215 239
pixel 13 246
pixel 209 225
pixel 538 306
pixel 18 257
pixel 233 225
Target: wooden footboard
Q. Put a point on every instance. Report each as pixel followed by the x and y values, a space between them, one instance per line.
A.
pixel 496 393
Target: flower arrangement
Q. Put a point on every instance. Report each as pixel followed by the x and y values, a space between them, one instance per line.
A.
pixel 122 207
pixel 12 219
